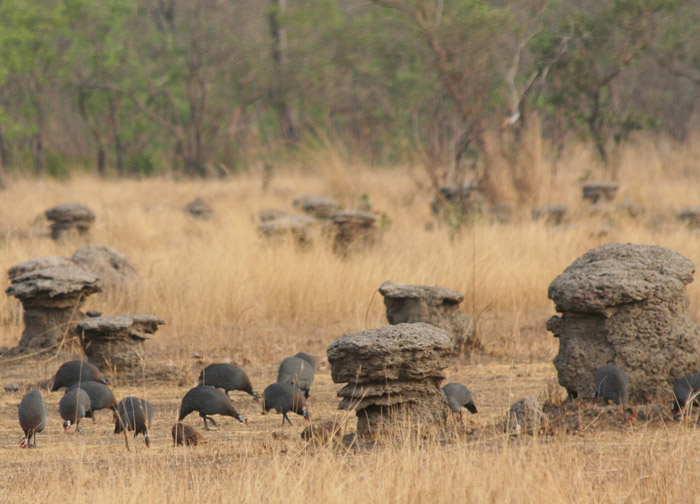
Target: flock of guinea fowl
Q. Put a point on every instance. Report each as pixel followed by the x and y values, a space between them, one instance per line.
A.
pixel 88 391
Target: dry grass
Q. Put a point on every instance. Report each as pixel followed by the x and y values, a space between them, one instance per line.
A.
pixel 226 294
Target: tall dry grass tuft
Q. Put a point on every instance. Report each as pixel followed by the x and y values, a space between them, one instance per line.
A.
pixel 220 287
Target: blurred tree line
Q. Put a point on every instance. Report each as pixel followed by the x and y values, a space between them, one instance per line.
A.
pixel 204 87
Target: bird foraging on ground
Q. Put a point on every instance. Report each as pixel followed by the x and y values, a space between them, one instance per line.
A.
pixel 686 389
pixel 611 384
pixel 77 371
pixel 458 397
pixel 134 414
pixel 283 398
pixel 208 401
pixel 298 372
pixel 227 377
pixel 101 396
pixel 32 417
pixel 73 406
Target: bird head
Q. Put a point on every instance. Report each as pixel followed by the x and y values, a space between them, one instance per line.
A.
pixel 256 397
pixel 105 381
pixel 147 440
pixel 66 425
pixel 242 419
pixel 24 443
pixel 305 414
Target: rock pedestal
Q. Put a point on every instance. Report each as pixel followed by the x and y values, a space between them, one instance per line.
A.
pixel 626 305
pixel 317 206
pixel 353 231
pixel 37 264
pixel 199 209
pixel 51 298
pixel 70 216
pixel 118 275
pixel 465 199
pixel 393 376
pixel 300 227
pixel 438 306
pixel 600 191
pixel 551 214
pixel 117 342
pixel 269 214
pixel 525 416
pixel 690 216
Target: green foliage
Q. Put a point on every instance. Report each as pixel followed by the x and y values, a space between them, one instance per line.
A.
pixel 184 86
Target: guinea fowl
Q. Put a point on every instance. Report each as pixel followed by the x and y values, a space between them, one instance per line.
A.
pixel 134 414
pixel 227 377
pixel 298 372
pixel 283 398
pixel 101 396
pixel 208 401
pixel 73 406
pixel 308 358
pixel 685 389
pixel 611 384
pixel 77 371
pixel 32 417
pixel 458 397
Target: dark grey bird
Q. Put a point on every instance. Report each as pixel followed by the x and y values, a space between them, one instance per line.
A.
pixel 298 372
pixel 611 384
pixel 458 397
pixel 308 358
pixel 77 371
pixel 73 406
pixel 283 398
pixel 32 417
pixel 101 396
pixel 685 389
pixel 227 377
pixel 134 414
pixel 208 401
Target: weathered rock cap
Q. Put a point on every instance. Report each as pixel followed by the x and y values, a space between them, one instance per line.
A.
pixel 110 265
pixel 54 283
pixel 38 264
pixel 70 212
pixel 285 224
pixel 600 190
pixel 134 326
pixel 618 273
pixel 437 293
pixel 318 206
pixel 554 214
pixel 199 208
pixel 355 218
pixel 398 352
pixel 689 216
pixel 269 214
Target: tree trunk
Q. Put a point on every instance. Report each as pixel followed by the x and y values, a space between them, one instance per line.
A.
pixel 4 159
pixel 285 115
pixel 114 127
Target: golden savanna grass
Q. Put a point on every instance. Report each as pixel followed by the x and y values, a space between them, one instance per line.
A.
pixel 226 293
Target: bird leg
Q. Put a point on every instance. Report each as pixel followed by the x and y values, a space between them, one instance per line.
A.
pixel 206 426
pixel 285 417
